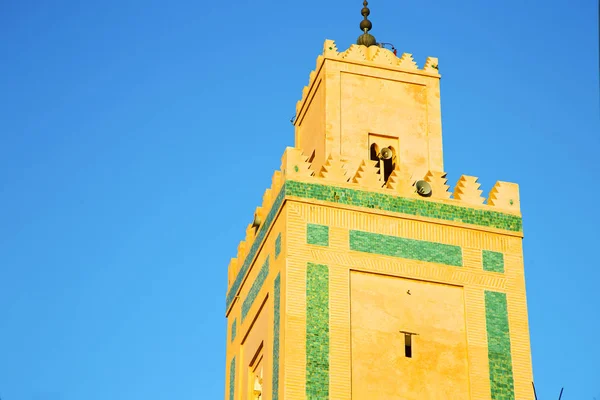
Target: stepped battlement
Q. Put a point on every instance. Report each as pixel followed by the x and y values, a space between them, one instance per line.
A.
pixel 373 56
pixel 365 187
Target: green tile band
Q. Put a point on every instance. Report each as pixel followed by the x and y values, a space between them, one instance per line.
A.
pixel 499 355
pixel 389 202
pixel 317 234
pixel 394 246
pixel 233 329
pixel 277 246
pixel 493 261
pixel 317 332
pixel 260 236
pixel 276 321
pixel 232 379
pixel 255 289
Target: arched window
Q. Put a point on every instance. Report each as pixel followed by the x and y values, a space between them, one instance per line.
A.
pixel 385 165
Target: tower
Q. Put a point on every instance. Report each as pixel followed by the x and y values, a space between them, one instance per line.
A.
pixel 362 276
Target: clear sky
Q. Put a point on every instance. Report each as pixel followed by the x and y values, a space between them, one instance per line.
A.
pixel 137 138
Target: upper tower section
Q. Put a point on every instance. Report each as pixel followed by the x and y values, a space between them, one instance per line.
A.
pixel 366 98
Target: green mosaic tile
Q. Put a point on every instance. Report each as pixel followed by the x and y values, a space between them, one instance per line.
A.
pixel 317 332
pixel 233 329
pixel 317 234
pixel 493 261
pixel 276 321
pixel 388 202
pixel 255 289
pixel 232 379
pixel 394 246
pixel 499 355
pixel 260 236
pixel 277 246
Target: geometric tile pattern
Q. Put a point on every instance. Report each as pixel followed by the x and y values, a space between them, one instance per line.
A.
pixel 388 202
pixel 232 379
pixel 255 289
pixel 499 355
pixel 233 329
pixel 411 249
pixel 276 320
pixel 277 246
pixel 382 201
pixel 260 236
pixel 493 261
pixel 317 234
pixel 317 331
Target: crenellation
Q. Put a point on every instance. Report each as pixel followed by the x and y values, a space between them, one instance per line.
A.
pixel 355 53
pixel 384 56
pixel 401 182
pixel 505 195
pixel 467 190
pixel 295 164
pixel 439 188
pixel 334 170
pixel 407 62
pixel 373 55
pixel 330 49
pixel 431 65
pixel 368 175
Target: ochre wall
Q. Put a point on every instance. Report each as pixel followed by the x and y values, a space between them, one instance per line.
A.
pixel 327 303
pixel 470 366
pixel 370 91
pixel 260 325
pixel 384 306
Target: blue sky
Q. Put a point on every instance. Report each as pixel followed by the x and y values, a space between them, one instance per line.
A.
pixel 127 128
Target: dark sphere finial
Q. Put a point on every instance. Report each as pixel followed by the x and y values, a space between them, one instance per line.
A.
pixel 366 39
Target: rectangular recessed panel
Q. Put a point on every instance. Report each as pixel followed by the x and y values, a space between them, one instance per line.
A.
pixel 432 363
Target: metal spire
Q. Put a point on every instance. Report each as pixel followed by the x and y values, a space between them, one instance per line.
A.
pixel 366 39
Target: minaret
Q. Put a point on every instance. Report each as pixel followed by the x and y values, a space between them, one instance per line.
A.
pixel 362 275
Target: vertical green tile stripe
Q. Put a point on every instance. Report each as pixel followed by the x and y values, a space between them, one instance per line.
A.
pixel 277 245
pixel 233 329
pixel 276 320
pixel 260 236
pixel 500 360
pixel 255 289
pixel 317 332
pixel 411 206
pixel 394 246
pixel 317 234
pixel 493 261
pixel 232 379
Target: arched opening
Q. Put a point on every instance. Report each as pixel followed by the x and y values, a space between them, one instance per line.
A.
pixel 389 164
pixel 385 165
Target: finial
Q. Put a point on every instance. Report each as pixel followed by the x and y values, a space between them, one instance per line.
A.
pixel 366 39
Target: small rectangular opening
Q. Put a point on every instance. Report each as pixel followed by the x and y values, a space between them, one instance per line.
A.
pixel 408 345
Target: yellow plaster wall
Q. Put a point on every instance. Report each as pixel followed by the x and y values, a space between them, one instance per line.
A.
pixel 467 299
pixel 312 121
pixel 383 306
pixel 257 328
pixel 371 91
